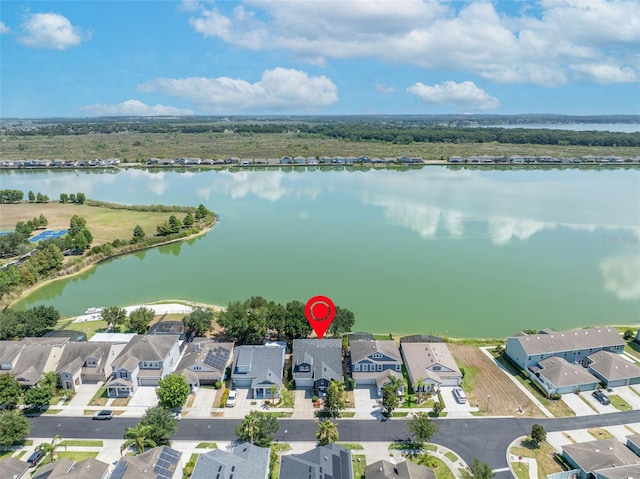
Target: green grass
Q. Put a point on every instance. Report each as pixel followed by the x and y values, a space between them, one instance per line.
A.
pixel 619 403
pixel 73 455
pixel 82 443
pixel 207 445
pixel 351 445
pixel 468 379
pixel 399 413
pixel 90 328
pixel 440 469
pixel 451 456
pixel 521 469
pixel 544 455
pixel 5 454
pixel 359 465
pixel 274 463
pixel 101 397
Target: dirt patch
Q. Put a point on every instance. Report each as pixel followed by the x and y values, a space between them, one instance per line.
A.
pixel 487 379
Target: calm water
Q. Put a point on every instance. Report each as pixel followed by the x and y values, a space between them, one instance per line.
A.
pixel 462 252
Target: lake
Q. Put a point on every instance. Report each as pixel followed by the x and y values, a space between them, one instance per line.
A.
pixel 447 250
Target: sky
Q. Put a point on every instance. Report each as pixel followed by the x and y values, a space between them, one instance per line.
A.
pixel 320 57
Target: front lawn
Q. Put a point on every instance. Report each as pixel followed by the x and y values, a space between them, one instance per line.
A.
pixel 359 465
pixel 73 455
pixel 544 456
pixel 619 403
pixel 82 443
pixel 439 468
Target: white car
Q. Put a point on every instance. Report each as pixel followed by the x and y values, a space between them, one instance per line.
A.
pixel 231 400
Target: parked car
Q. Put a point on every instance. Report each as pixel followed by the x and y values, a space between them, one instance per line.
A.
pixel 103 415
pixel 459 394
pixel 601 397
pixel 176 414
pixel 231 399
pixel 35 458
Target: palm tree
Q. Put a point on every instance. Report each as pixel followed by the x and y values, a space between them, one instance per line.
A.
pixel 396 382
pixel 418 387
pixel 250 426
pixel 327 432
pixel 138 436
pixel 49 448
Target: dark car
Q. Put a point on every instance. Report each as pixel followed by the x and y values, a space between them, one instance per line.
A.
pixel 103 415
pixel 601 397
pixel 35 458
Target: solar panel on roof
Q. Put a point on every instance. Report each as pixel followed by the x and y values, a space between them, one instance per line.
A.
pixel 119 470
pixel 216 358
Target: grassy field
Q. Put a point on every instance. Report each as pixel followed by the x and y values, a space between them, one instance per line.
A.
pixel 619 403
pixel 105 224
pixel 544 456
pixel 138 147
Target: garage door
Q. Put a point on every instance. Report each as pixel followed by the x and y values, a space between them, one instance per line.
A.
pixel 148 381
pixel 304 383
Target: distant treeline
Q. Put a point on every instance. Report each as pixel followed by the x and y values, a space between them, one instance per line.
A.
pixel 402 133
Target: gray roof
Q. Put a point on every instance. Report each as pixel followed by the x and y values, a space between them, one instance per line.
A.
pixel 144 347
pixel 160 462
pixel 31 363
pixel 612 366
pixel 89 468
pixel 593 455
pixel 206 353
pixel 420 356
pixel 631 471
pixel 9 351
pixel 323 462
pixel 634 439
pixel 13 468
pixel 266 364
pixel 362 349
pixel 562 373
pixel 572 340
pixel 403 470
pixel 75 354
pixel 244 460
pixel 324 356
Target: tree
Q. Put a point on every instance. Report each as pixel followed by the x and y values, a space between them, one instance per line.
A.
pixel 276 318
pixel 38 396
pixel 296 324
pixel 173 391
pixel 64 198
pixel 80 241
pixel 174 224
pixel 42 221
pixel 72 198
pixel 49 448
pixel 45 199
pixel 477 470
pixel 342 322
pixel 138 234
pixel 49 380
pixel 629 334
pixel 327 432
pixel 421 428
pixel 257 427
pixel 201 212
pixel 114 315
pixel 438 407
pixel 418 388
pixel 14 428
pixel 198 321
pixel 163 425
pixel 76 224
pixel 334 399
pixel 138 437
pixel 538 434
pixel 245 328
pixel 31 196
pixel 10 391
pixel 140 318
pixel 390 399
pixel 188 220
pixel 80 198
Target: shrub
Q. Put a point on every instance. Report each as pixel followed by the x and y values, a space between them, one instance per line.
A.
pixel 314 398
pixel 225 396
pixel 629 334
pixel 351 383
pixel 218 384
pixel 555 396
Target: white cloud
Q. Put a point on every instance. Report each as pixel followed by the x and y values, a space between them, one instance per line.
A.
pixel 50 30
pixel 503 230
pixel 4 28
pixel 606 73
pixel 534 46
pixel 382 88
pixel 134 108
pixel 621 276
pixel 278 89
pixel 465 95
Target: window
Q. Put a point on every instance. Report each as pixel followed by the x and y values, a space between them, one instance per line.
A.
pixel 436 367
pixel 377 356
pixel 365 367
pixel 398 367
pixel 379 367
pixel 356 367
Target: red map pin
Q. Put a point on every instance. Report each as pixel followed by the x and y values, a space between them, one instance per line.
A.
pixel 320 311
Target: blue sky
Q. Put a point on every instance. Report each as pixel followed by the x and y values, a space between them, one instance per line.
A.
pixel 94 58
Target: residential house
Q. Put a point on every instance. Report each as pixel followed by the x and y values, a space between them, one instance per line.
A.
pixel 623 472
pixel 86 362
pixel 372 362
pixel 402 470
pixel 590 457
pixel 258 368
pixel 89 468
pixel 613 369
pixel 558 376
pixel 143 362
pixel 316 362
pixel 432 363
pixel 157 463
pixel 205 362
pixel 14 468
pixel 26 360
pixel 244 460
pixel 574 345
pixel 633 443
pixel 323 462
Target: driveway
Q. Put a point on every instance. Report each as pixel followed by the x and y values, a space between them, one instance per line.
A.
pixel 626 393
pixel 203 403
pixel 366 402
pixel 577 405
pixel 453 407
pixel 145 396
pixel 303 407
pixel 243 405
pixel 602 409
pixel 84 394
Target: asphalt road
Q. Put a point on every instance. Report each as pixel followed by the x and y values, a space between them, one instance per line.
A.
pixel 484 438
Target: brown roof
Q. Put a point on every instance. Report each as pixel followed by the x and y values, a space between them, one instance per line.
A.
pixel 420 356
pixel 144 347
pixel 75 354
pixel 197 352
pixel 571 340
pixel 562 373
pixel 13 468
pixel 593 455
pixel 612 366
pixel 631 471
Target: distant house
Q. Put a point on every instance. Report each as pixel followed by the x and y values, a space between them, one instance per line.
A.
pixel 316 362
pixel 372 362
pixel 612 369
pixel 633 443
pixel 89 468
pixel 205 362
pixel 258 368
pixel 86 362
pixel 456 159
pixel 431 362
pixel 300 160
pixel 157 463
pixel 143 362
pixel 286 160
pixel 593 456
pixel 323 462
pixel 244 460
pixel 556 375
pixel 622 472
pixel 14 468
pixel 26 360
pixel 574 345
pixel 402 470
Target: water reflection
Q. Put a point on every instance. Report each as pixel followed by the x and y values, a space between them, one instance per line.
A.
pixel 621 275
